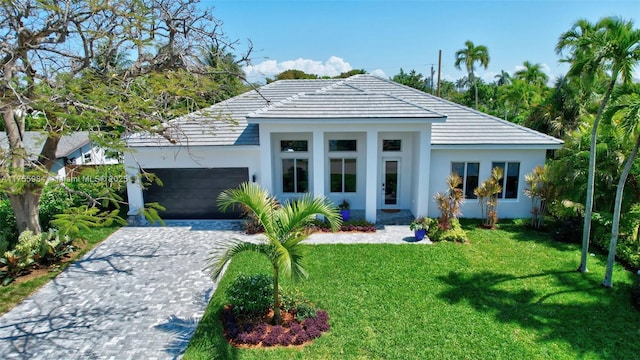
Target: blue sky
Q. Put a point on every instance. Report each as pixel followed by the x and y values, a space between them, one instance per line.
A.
pixel 329 37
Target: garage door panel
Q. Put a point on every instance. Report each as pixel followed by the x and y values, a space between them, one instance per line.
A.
pixel 193 193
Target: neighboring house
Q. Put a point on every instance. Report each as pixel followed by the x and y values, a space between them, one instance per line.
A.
pixel 74 149
pixel 374 142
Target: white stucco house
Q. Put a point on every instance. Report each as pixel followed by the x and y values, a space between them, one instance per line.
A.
pixel 74 149
pixel 374 142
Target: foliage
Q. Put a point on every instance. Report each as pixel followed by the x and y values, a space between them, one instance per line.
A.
pixel 413 79
pixel 487 194
pixel 292 74
pixel 449 203
pixel 250 296
pixel 353 225
pixel 635 293
pixel 469 56
pixel 344 205
pixel 75 221
pixel 419 223
pixel 539 190
pixel 285 229
pixel 455 232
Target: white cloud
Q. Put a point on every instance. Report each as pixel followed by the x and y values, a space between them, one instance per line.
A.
pixel 333 66
pixel 378 72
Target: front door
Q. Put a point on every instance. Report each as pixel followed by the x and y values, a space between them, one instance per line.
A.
pixel 390 180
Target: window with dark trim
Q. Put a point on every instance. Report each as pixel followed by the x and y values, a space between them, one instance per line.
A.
pixel 470 174
pixel 294 145
pixel 391 145
pixel 342 175
pixel 343 145
pixel 295 175
pixel 510 178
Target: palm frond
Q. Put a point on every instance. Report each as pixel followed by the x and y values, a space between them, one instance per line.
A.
pixel 254 198
pixel 223 252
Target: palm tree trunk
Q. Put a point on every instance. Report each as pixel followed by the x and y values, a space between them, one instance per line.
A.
pixel 277 319
pixel 616 215
pixel 588 208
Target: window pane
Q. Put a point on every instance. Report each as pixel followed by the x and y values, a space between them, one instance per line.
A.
pixel 342 145
pixel 336 175
pixel 501 166
pixel 513 174
pixel 302 175
pixel 458 169
pixel 294 145
pixel 288 175
pixel 391 145
pixel 349 175
pixel 473 173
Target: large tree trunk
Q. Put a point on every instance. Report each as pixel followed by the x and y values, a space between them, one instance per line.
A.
pixel 608 276
pixel 26 208
pixel 588 207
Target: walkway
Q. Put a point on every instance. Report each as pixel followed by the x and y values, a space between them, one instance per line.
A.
pixel 139 295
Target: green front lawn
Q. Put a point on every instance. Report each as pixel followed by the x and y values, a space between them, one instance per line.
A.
pixel 14 293
pixel 509 294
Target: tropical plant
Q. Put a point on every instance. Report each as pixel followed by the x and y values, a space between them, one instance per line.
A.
pixel 470 55
pixel 539 189
pixel 532 73
pixel 449 203
pixel 419 223
pixel 487 194
pixel 284 230
pixel 611 44
pixel 503 78
pixel 627 107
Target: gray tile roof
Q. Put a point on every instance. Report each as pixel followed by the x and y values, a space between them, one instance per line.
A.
pixel 360 96
pixel 34 140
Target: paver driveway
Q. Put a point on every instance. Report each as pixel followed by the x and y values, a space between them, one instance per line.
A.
pixel 139 295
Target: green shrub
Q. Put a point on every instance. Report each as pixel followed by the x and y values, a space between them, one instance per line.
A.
pixel 635 292
pixel 54 201
pixel 9 230
pixel 454 234
pixel 251 295
pixel 305 310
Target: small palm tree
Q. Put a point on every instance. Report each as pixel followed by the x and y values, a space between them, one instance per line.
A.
pixel 449 203
pixel 487 194
pixel 284 230
pixel 532 73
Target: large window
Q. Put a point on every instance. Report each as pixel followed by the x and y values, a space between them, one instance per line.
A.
pixel 510 178
pixel 343 175
pixel 469 172
pixel 295 166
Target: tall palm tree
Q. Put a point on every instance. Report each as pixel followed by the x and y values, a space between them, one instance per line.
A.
pixel 628 108
pixel 469 56
pixel 532 73
pixel 503 78
pixel 611 44
pixel 284 230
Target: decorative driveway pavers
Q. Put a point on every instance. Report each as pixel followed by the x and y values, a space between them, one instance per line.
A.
pixel 139 295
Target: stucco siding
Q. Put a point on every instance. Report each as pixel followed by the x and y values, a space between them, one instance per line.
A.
pixel 520 207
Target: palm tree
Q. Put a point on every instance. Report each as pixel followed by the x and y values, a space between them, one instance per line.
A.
pixel 503 78
pixel 532 73
pixel 611 44
pixel 628 108
pixel 487 194
pixel 469 56
pixel 284 230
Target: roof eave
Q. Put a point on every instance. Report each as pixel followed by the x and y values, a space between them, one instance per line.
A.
pixel 341 120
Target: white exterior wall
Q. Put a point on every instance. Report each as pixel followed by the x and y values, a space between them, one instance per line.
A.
pixel 441 160
pixel 179 157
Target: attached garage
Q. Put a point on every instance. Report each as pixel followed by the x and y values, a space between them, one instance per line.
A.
pixel 192 193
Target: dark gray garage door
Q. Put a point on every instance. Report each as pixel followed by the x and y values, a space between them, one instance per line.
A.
pixel 193 193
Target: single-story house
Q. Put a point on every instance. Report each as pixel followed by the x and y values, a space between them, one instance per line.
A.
pixel 74 149
pixel 374 142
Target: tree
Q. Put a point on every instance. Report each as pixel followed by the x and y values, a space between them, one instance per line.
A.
pixel 532 73
pixel 627 109
pixel 284 230
pixel 470 55
pixel 503 78
pixel 539 190
pixel 350 73
pixel 412 79
pixel 612 44
pixel 292 74
pixel 70 71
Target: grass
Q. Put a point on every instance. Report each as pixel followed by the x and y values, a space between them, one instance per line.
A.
pixel 15 292
pixel 509 294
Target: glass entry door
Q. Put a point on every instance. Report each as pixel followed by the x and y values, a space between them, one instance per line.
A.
pixel 390 182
